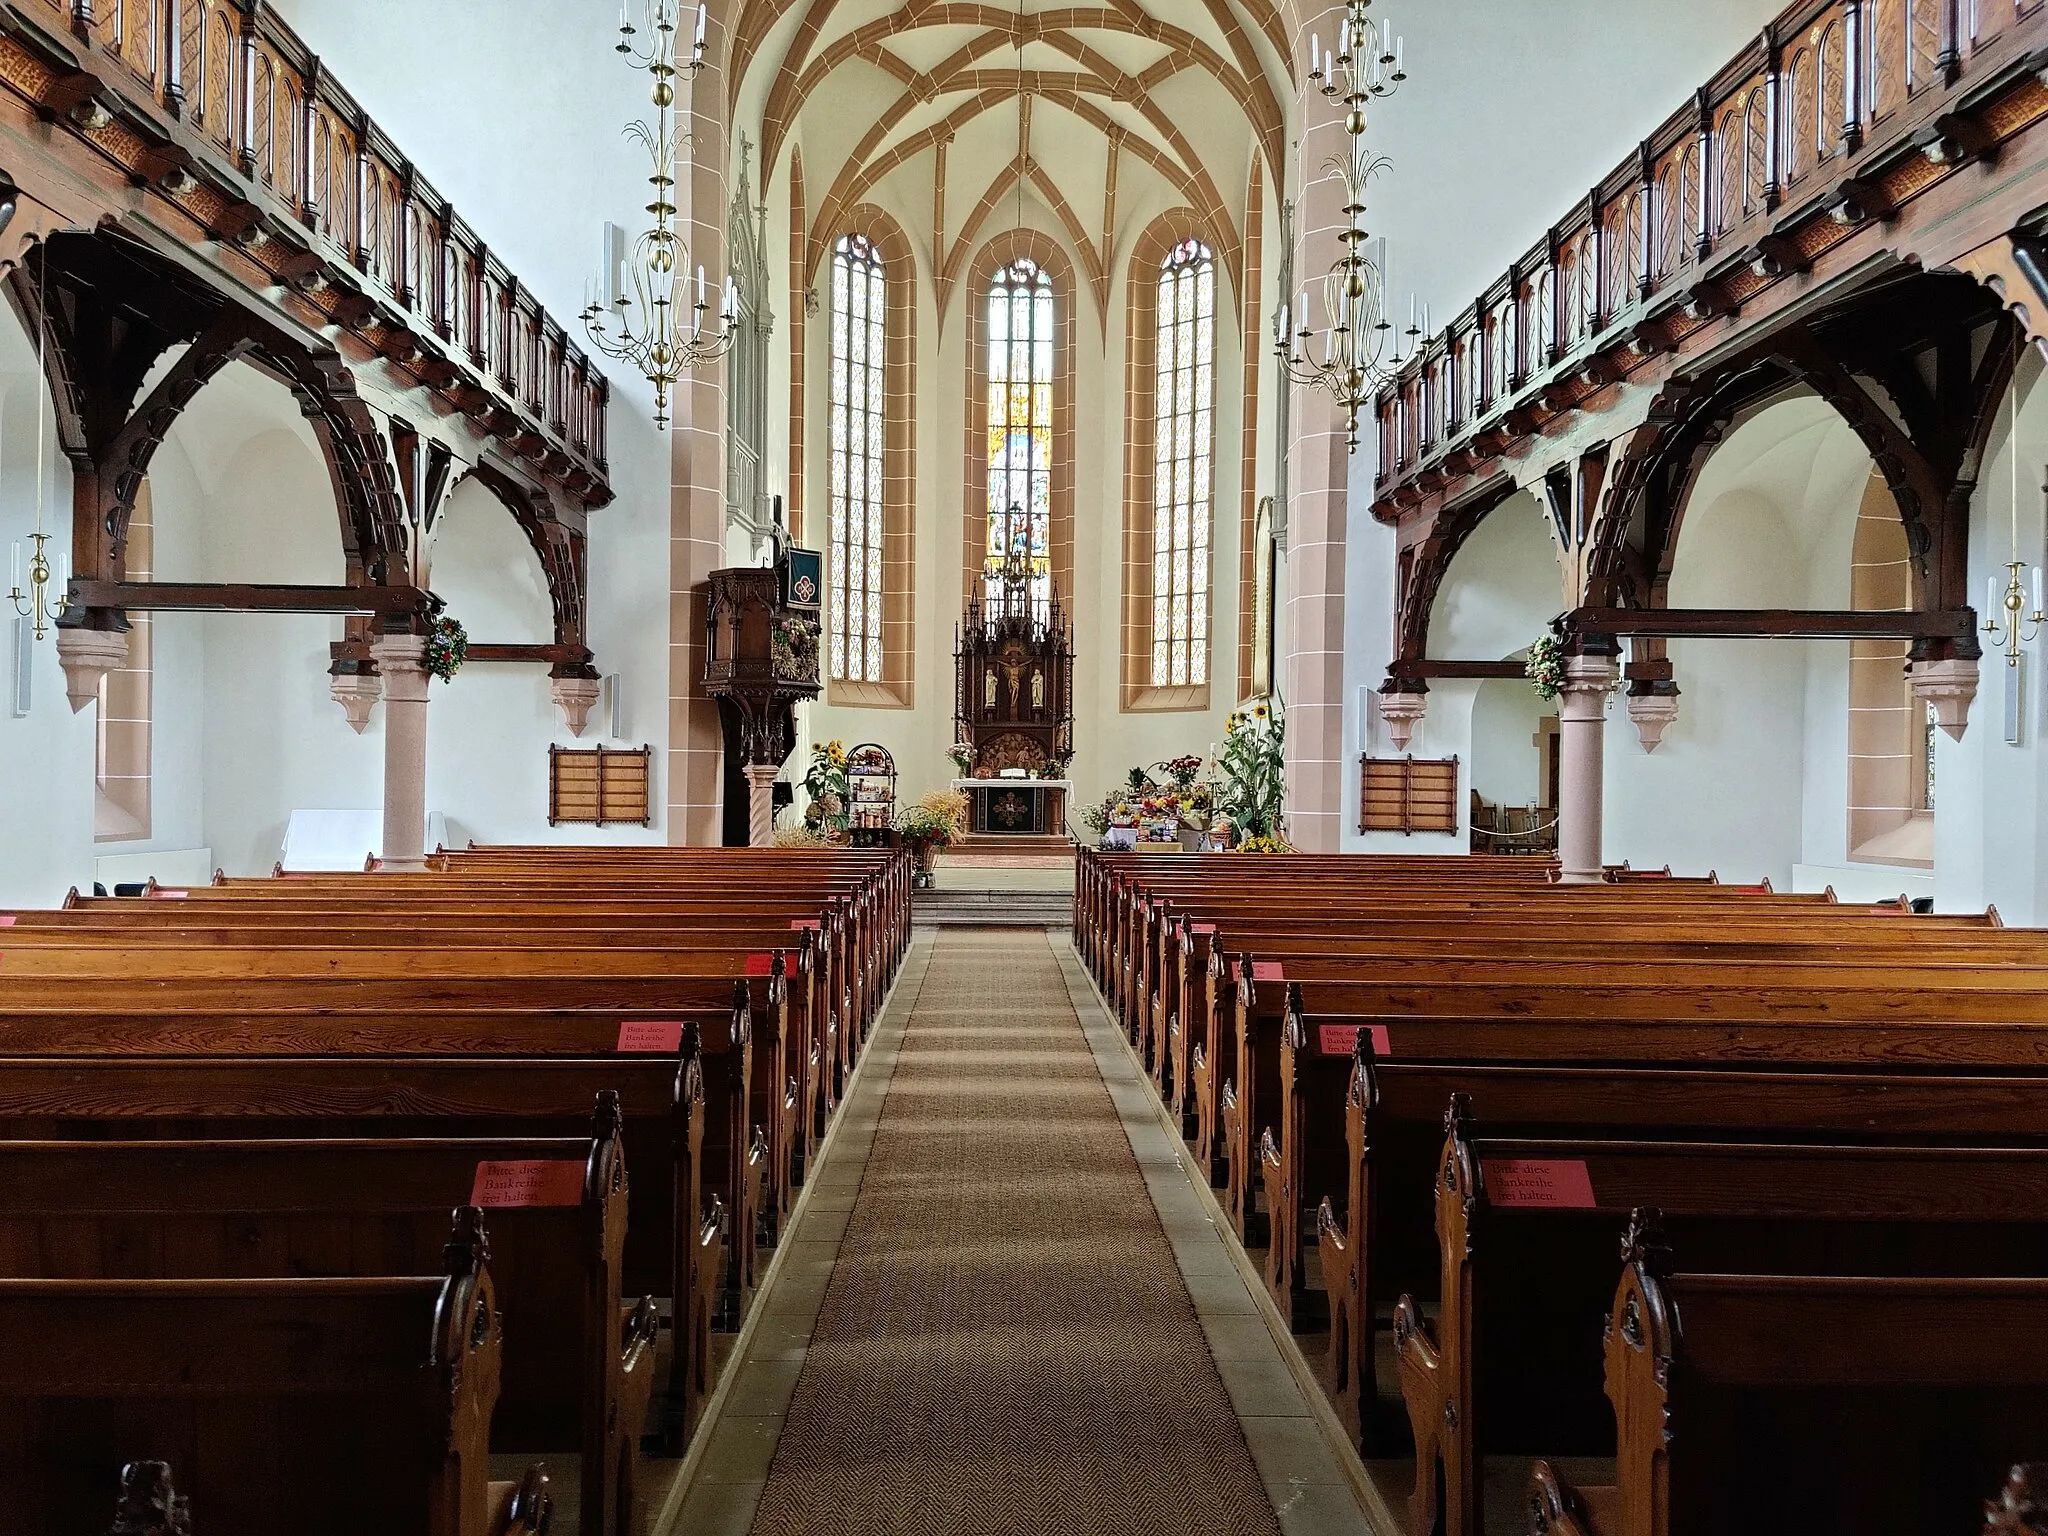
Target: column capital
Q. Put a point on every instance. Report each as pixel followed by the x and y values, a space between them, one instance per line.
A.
pixel 1588 682
pixel 401 662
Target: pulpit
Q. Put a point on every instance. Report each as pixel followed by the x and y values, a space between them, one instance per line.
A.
pixel 1013 711
pixel 761 660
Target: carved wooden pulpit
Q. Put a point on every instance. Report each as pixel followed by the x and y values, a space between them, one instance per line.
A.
pixel 1013 660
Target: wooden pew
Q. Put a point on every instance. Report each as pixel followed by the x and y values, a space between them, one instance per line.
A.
pixel 579 1362
pixel 308 1405
pixel 382 1008
pixel 677 1234
pixel 1527 1233
pixel 1801 1403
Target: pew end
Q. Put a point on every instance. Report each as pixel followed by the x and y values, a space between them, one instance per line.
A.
pixel 1559 1508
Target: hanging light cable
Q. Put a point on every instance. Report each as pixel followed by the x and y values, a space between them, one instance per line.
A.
pixel 1369 65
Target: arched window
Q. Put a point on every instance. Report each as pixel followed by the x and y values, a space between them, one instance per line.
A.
pixel 855 445
pixel 1184 478
pixel 1021 321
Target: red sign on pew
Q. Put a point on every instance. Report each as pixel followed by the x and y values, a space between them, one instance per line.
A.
pixel 760 965
pixel 803 922
pixel 1268 970
pixel 659 1037
pixel 527 1181
pixel 171 895
pixel 1201 928
pixel 1342 1040
pixel 6 919
pixel 1533 1183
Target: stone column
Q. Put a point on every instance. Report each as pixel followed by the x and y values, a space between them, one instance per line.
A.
pixel 1319 469
pixel 696 740
pixel 761 779
pixel 1582 743
pixel 399 662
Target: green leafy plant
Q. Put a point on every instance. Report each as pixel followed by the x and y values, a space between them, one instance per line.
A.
pixel 1251 771
pixel 447 648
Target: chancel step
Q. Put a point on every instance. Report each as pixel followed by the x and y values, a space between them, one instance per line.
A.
pixel 1006 909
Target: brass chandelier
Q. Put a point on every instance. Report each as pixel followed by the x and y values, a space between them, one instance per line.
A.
pixel 644 321
pixel 1356 332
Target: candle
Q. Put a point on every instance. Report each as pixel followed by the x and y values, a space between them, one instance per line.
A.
pixel 1990 598
pixel 703 21
pixel 14 568
pixel 1329 341
pixel 625 23
pixel 1301 314
pixel 1344 39
pixel 1315 54
pixel 1414 310
pixel 700 287
pixel 2037 593
pixel 1400 47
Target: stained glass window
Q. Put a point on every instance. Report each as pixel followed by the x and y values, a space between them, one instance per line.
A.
pixel 1183 469
pixel 859 312
pixel 1020 373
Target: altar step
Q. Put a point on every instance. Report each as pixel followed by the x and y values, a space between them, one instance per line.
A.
pixel 1018 844
pixel 993 909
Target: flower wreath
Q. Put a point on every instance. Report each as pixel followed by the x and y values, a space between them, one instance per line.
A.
pixel 447 647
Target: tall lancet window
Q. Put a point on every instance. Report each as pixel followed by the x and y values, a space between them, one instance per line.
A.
pixel 1020 374
pixel 859 310
pixel 1183 471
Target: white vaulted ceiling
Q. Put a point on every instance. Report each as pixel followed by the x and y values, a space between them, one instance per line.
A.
pixel 1107 111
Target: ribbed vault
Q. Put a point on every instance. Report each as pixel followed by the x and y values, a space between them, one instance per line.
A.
pixel 1106 111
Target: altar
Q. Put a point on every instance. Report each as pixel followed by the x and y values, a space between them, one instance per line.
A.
pixel 1013 716
pixel 1016 807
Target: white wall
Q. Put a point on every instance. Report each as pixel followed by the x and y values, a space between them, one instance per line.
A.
pixel 1511 112
pixel 46 758
pixel 514 110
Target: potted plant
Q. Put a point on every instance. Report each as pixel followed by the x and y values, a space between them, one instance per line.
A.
pixel 929 827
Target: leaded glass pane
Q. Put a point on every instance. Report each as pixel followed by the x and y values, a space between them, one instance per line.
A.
pixel 855 437
pixel 1019 344
pixel 1183 437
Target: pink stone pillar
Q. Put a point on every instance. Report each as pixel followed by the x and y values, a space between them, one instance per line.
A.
pixel 696 741
pixel 1582 745
pixel 1319 469
pixel 761 779
pixel 399 661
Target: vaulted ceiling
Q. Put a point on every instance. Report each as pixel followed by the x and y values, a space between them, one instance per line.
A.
pixel 1104 112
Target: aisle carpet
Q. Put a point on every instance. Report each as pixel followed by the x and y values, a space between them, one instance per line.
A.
pixel 1006 1344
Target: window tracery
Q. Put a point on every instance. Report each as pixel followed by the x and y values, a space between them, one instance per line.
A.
pixel 855 453
pixel 1021 330
pixel 1183 482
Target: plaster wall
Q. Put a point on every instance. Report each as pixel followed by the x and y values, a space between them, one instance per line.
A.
pixel 1466 194
pixel 513 109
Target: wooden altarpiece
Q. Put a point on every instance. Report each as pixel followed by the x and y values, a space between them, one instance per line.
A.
pixel 1013 658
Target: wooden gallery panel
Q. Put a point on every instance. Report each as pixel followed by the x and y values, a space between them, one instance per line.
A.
pixel 599 786
pixel 1400 794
